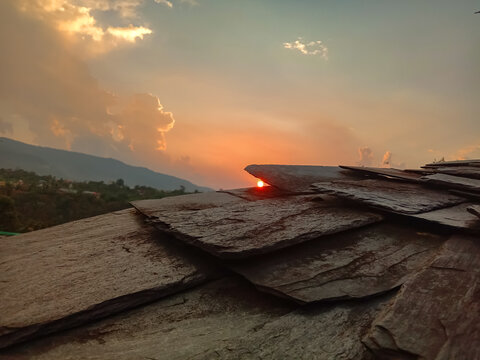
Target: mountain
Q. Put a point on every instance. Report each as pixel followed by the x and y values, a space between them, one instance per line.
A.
pixel 82 167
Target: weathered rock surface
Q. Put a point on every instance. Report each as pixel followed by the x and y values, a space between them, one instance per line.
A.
pixel 323 332
pixel 256 193
pixel 153 207
pixel 225 319
pixel 474 209
pixel 66 275
pixel 465 171
pixel 456 216
pixel 395 196
pixel 296 178
pixel 351 264
pixel 453 182
pixel 453 163
pixel 436 314
pixel 247 228
pixel 385 172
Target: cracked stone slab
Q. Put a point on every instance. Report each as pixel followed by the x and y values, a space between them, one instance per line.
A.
pixel 464 171
pixel 435 315
pixel 207 200
pixel 227 319
pixel 246 228
pixel 256 193
pixel 296 178
pixel 475 163
pixel 453 182
pixel 401 197
pixel 352 264
pixel 182 326
pixel 455 216
pixel 474 209
pixel 66 275
pixel 385 172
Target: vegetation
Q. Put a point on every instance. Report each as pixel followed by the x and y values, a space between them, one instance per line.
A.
pixel 31 202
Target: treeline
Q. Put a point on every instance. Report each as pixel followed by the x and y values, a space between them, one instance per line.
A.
pixel 30 202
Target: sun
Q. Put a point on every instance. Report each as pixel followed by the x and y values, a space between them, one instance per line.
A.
pixel 260 183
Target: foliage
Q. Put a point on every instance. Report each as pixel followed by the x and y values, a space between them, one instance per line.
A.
pixel 30 202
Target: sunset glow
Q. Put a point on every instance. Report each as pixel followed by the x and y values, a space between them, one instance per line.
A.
pixel 260 184
pixel 155 84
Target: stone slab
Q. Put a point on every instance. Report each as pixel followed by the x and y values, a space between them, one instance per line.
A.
pixel 436 314
pixel 225 319
pixel 453 182
pixel 456 216
pixel 453 163
pixel 247 228
pixel 385 172
pixel 464 171
pixel 66 275
pixel 401 197
pixel 256 193
pixel 474 209
pixel 296 178
pixel 352 264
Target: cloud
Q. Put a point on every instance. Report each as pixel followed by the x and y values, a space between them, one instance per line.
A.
pixel 75 19
pixel 311 48
pixel 165 2
pixel 468 152
pixel 387 159
pixel 365 156
pixel 52 91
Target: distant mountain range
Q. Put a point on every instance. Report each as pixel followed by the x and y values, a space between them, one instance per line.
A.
pixel 82 167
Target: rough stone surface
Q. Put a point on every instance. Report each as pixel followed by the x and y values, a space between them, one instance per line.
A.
pixel 390 195
pixel 226 319
pixel 65 275
pixel 455 216
pixel 453 182
pixel 351 264
pixel 256 193
pixel 436 314
pixel 154 207
pixel 453 163
pixel 474 209
pixel 249 228
pixel 385 172
pixel 465 171
pixel 296 178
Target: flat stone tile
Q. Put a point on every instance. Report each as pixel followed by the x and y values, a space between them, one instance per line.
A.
pixel 352 264
pixel 397 196
pixel 246 228
pixel 453 182
pixel 436 314
pixel 296 178
pixel 385 172
pixel 455 216
pixel 66 275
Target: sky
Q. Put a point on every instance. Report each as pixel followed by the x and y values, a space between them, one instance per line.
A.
pixel 201 88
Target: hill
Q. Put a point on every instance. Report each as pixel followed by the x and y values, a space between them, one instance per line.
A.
pixel 82 167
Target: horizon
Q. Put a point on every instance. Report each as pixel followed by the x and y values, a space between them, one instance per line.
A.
pixel 199 89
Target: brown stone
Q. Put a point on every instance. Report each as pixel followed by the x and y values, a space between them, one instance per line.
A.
pixel 455 216
pixel 245 228
pixel 394 196
pixel 436 314
pixel 352 264
pixel 296 178
pixel 66 275
pixel 385 172
pixel 474 209
pixel 464 171
pixel 453 182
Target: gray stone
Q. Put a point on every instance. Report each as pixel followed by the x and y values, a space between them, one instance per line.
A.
pixel 453 182
pixel 351 264
pixel 455 216
pixel 464 171
pixel 453 163
pixel 247 228
pixel 436 314
pixel 256 193
pixel 385 172
pixel 474 209
pixel 296 178
pixel 66 275
pixel 154 207
pixel 407 198
pixel 226 319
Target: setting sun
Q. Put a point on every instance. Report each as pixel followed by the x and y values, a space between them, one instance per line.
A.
pixel 260 183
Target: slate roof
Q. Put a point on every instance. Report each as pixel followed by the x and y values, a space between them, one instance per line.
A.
pixel 325 263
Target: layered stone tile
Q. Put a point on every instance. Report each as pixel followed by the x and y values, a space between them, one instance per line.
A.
pixel 453 182
pixel 397 196
pixel 455 216
pixel 385 172
pixel 436 313
pixel 352 264
pixel 69 274
pixel 245 228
